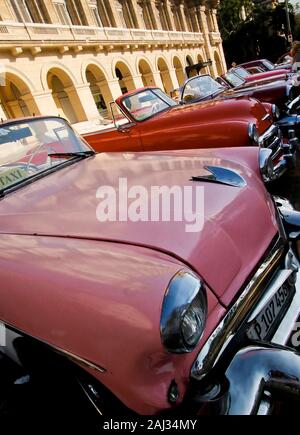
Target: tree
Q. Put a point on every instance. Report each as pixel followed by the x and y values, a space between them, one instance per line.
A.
pixel 262 32
pixel 230 15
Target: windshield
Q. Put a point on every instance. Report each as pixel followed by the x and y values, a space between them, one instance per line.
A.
pixel 145 104
pixel 269 65
pixel 200 87
pixel 26 148
pixel 234 79
pixel 242 72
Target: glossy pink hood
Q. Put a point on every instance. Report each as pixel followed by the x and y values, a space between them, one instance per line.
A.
pixel 239 222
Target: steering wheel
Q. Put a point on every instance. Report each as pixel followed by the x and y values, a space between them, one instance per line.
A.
pixel 155 108
pixel 32 168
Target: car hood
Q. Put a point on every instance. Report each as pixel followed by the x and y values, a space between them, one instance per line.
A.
pixel 238 108
pixel 257 84
pixel 238 222
pixel 267 74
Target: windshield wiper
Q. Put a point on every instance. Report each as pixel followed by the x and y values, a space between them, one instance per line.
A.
pixel 73 154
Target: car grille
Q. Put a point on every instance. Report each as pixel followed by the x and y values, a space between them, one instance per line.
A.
pixel 271 138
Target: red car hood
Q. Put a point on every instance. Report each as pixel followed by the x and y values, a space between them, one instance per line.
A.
pixel 274 74
pixel 239 222
pixel 239 108
pixel 266 83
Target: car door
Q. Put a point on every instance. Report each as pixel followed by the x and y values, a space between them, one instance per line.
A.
pixel 121 135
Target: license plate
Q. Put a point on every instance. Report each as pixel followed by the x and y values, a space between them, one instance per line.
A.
pixel 267 318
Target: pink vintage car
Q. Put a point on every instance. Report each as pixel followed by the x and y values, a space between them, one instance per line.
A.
pixel 147 313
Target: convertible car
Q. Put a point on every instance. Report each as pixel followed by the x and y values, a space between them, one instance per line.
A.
pixel 204 87
pixel 266 65
pixel 283 94
pixel 254 76
pixel 143 314
pixel 150 120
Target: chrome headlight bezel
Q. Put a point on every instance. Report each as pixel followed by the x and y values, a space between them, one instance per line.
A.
pixel 266 165
pixel 184 312
pixel 275 112
pixel 253 133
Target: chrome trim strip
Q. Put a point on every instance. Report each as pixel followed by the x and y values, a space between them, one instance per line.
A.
pixel 76 358
pixel 272 130
pixel 212 349
pixel 71 356
pixel 267 116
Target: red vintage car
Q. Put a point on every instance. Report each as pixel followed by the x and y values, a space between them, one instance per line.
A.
pixel 283 94
pixel 266 65
pixel 277 92
pixel 150 120
pixel 139 310
pixel 254 76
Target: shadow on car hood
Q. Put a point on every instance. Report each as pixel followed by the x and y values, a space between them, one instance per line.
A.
pixel 238 222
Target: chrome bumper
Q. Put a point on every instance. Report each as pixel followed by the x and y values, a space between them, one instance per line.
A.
pixel 255 374
pixel 283 149
pixel 234 374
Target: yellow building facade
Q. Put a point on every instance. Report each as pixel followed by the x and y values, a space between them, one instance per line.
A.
pixel 73 57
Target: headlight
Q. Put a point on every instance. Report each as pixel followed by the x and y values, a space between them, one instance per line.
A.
pixel 253 133
pixel 275 112
pixel 184 312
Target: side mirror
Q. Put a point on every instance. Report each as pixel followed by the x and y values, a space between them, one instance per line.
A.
pixel 122 129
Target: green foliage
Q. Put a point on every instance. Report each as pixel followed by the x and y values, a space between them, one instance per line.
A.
pixel 263 33
pixel 230 12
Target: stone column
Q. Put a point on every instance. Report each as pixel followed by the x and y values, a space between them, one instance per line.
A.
pixel 46 104
pixel 113 14
pixel 136 17
pixel 182 18
pixel 82 102
pixel 209 20
pixel 220 46
pixel 157 80
pixel 214 20
pixel 15 108
pixel 51 12
pixel 207 46
pixel 148 79
pixel 87 101
pixel 147 16
pixel 3 115
pixel 222 57
pixel 114 88
pixel 137 80
pixel 196 26
pixel 174 79
pixel 153 11
pixel 169 15
pixel 105 91
pixel 31 104
pixel 87 12
pixel 199 19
